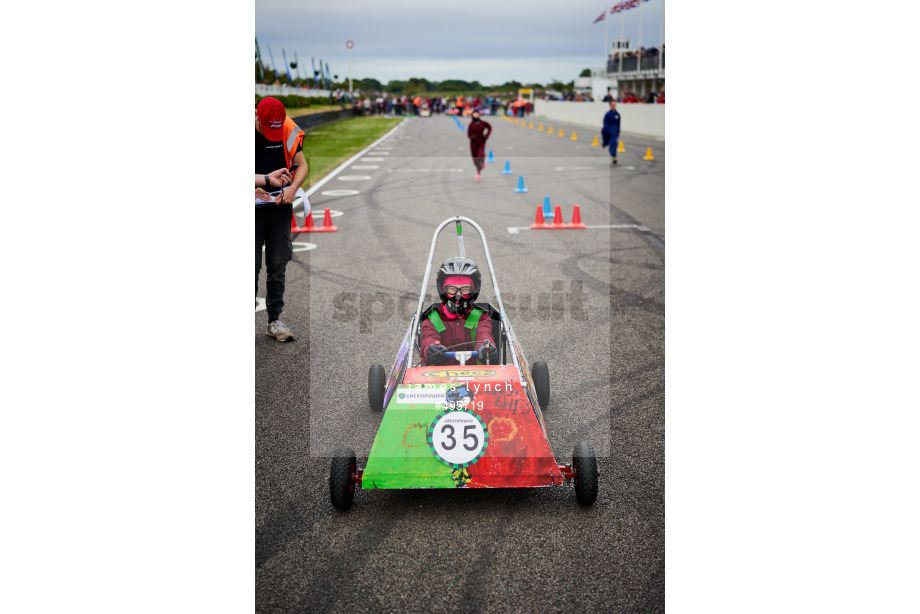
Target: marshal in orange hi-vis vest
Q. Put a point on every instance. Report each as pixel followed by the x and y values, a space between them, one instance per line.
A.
pixel 293 136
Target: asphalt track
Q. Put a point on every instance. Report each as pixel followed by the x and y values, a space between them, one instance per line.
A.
pixel 588 302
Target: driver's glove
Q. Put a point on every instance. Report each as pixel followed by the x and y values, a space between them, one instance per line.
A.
pixel 436 354
pixel 485 349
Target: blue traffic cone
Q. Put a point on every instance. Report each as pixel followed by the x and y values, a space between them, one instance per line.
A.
pixel 491 159
pixel 547 208
pixel 507 170
pixel 521 187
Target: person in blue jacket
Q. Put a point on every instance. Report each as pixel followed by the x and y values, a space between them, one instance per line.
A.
pixel 611 131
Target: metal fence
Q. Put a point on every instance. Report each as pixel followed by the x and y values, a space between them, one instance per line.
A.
pixel 283 90
pixel 631 64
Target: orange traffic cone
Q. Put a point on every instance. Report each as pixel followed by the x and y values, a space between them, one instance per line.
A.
pixel 531 126
pixel 308 225
pixel 540 222
pixel 595 143
pixel 576 219
pixel 557 219
pixel 648 155
pixel 327 222
pixel 574 136
pixel 560 132
pixel 620 148
pixel 540 128
pixel 295 229
pixel 550 131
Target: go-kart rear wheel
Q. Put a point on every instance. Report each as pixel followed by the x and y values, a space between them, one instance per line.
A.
pixel 376 387
pixel 540 374
pixel 342 479
pixel 584 463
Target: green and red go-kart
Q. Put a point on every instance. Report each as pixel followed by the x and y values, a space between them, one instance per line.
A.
pixel 467 425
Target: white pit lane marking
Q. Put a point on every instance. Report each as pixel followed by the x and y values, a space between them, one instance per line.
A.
pixel 318 214
pixel 371 159
pixel 354 178
pixel 513 230
pixel 299 246
pixel 302 246
pixel 340 192
pixel 366 167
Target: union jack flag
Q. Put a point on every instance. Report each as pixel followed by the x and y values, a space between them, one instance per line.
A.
pixel 624 6
pixel 601 17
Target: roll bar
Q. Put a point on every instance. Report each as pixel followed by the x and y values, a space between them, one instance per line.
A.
pixel 498 297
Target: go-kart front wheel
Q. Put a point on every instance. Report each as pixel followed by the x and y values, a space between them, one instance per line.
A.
pixel 342 479
pixel 540 374
pixel 376 387
pixel 584 463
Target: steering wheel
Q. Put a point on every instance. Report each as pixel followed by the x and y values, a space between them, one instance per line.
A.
pixel 462 355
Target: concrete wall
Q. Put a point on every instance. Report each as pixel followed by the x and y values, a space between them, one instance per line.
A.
pixel 644 119
pixel 315 120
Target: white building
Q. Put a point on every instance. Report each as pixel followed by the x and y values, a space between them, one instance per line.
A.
pixel 625 73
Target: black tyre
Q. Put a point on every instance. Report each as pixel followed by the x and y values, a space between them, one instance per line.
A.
pixel 342 479
pixel 540 374
pixel 584 463
pixel 376 387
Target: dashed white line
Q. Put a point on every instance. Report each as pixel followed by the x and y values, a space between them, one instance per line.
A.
pixel 425 170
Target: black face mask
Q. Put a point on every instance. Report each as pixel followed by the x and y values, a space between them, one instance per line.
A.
pixel 458 305
pixel 475 119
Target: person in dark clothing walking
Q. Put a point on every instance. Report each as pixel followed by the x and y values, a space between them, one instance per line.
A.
pixel 611 131
pixel 478 132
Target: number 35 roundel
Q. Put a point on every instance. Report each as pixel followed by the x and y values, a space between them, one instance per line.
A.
pixel 458 438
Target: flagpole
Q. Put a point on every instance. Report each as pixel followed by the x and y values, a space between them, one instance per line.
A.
pixel 661 36
pixel 287 67
pixel 259 60
pixel 606 42
pixel 639 62
pixel 272 58
pixel 621 50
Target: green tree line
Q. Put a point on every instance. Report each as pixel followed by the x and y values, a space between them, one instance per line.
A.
pixel 413 86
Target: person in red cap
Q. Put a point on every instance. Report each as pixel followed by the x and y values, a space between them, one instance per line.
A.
pixel 280 164
pixel 457 325
pixel 478 132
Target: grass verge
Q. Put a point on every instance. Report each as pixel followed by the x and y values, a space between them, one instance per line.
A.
pixel 331 144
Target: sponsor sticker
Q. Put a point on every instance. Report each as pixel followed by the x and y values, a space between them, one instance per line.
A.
pixel 417 396
pixel 458 373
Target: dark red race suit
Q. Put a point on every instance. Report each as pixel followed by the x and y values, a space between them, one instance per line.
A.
pixel 478 132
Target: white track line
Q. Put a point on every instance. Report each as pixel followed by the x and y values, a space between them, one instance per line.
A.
pixel 516 229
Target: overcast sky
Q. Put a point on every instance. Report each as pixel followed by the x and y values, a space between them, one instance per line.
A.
pixel 491 42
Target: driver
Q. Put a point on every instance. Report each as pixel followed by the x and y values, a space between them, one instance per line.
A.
pixel 456 325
